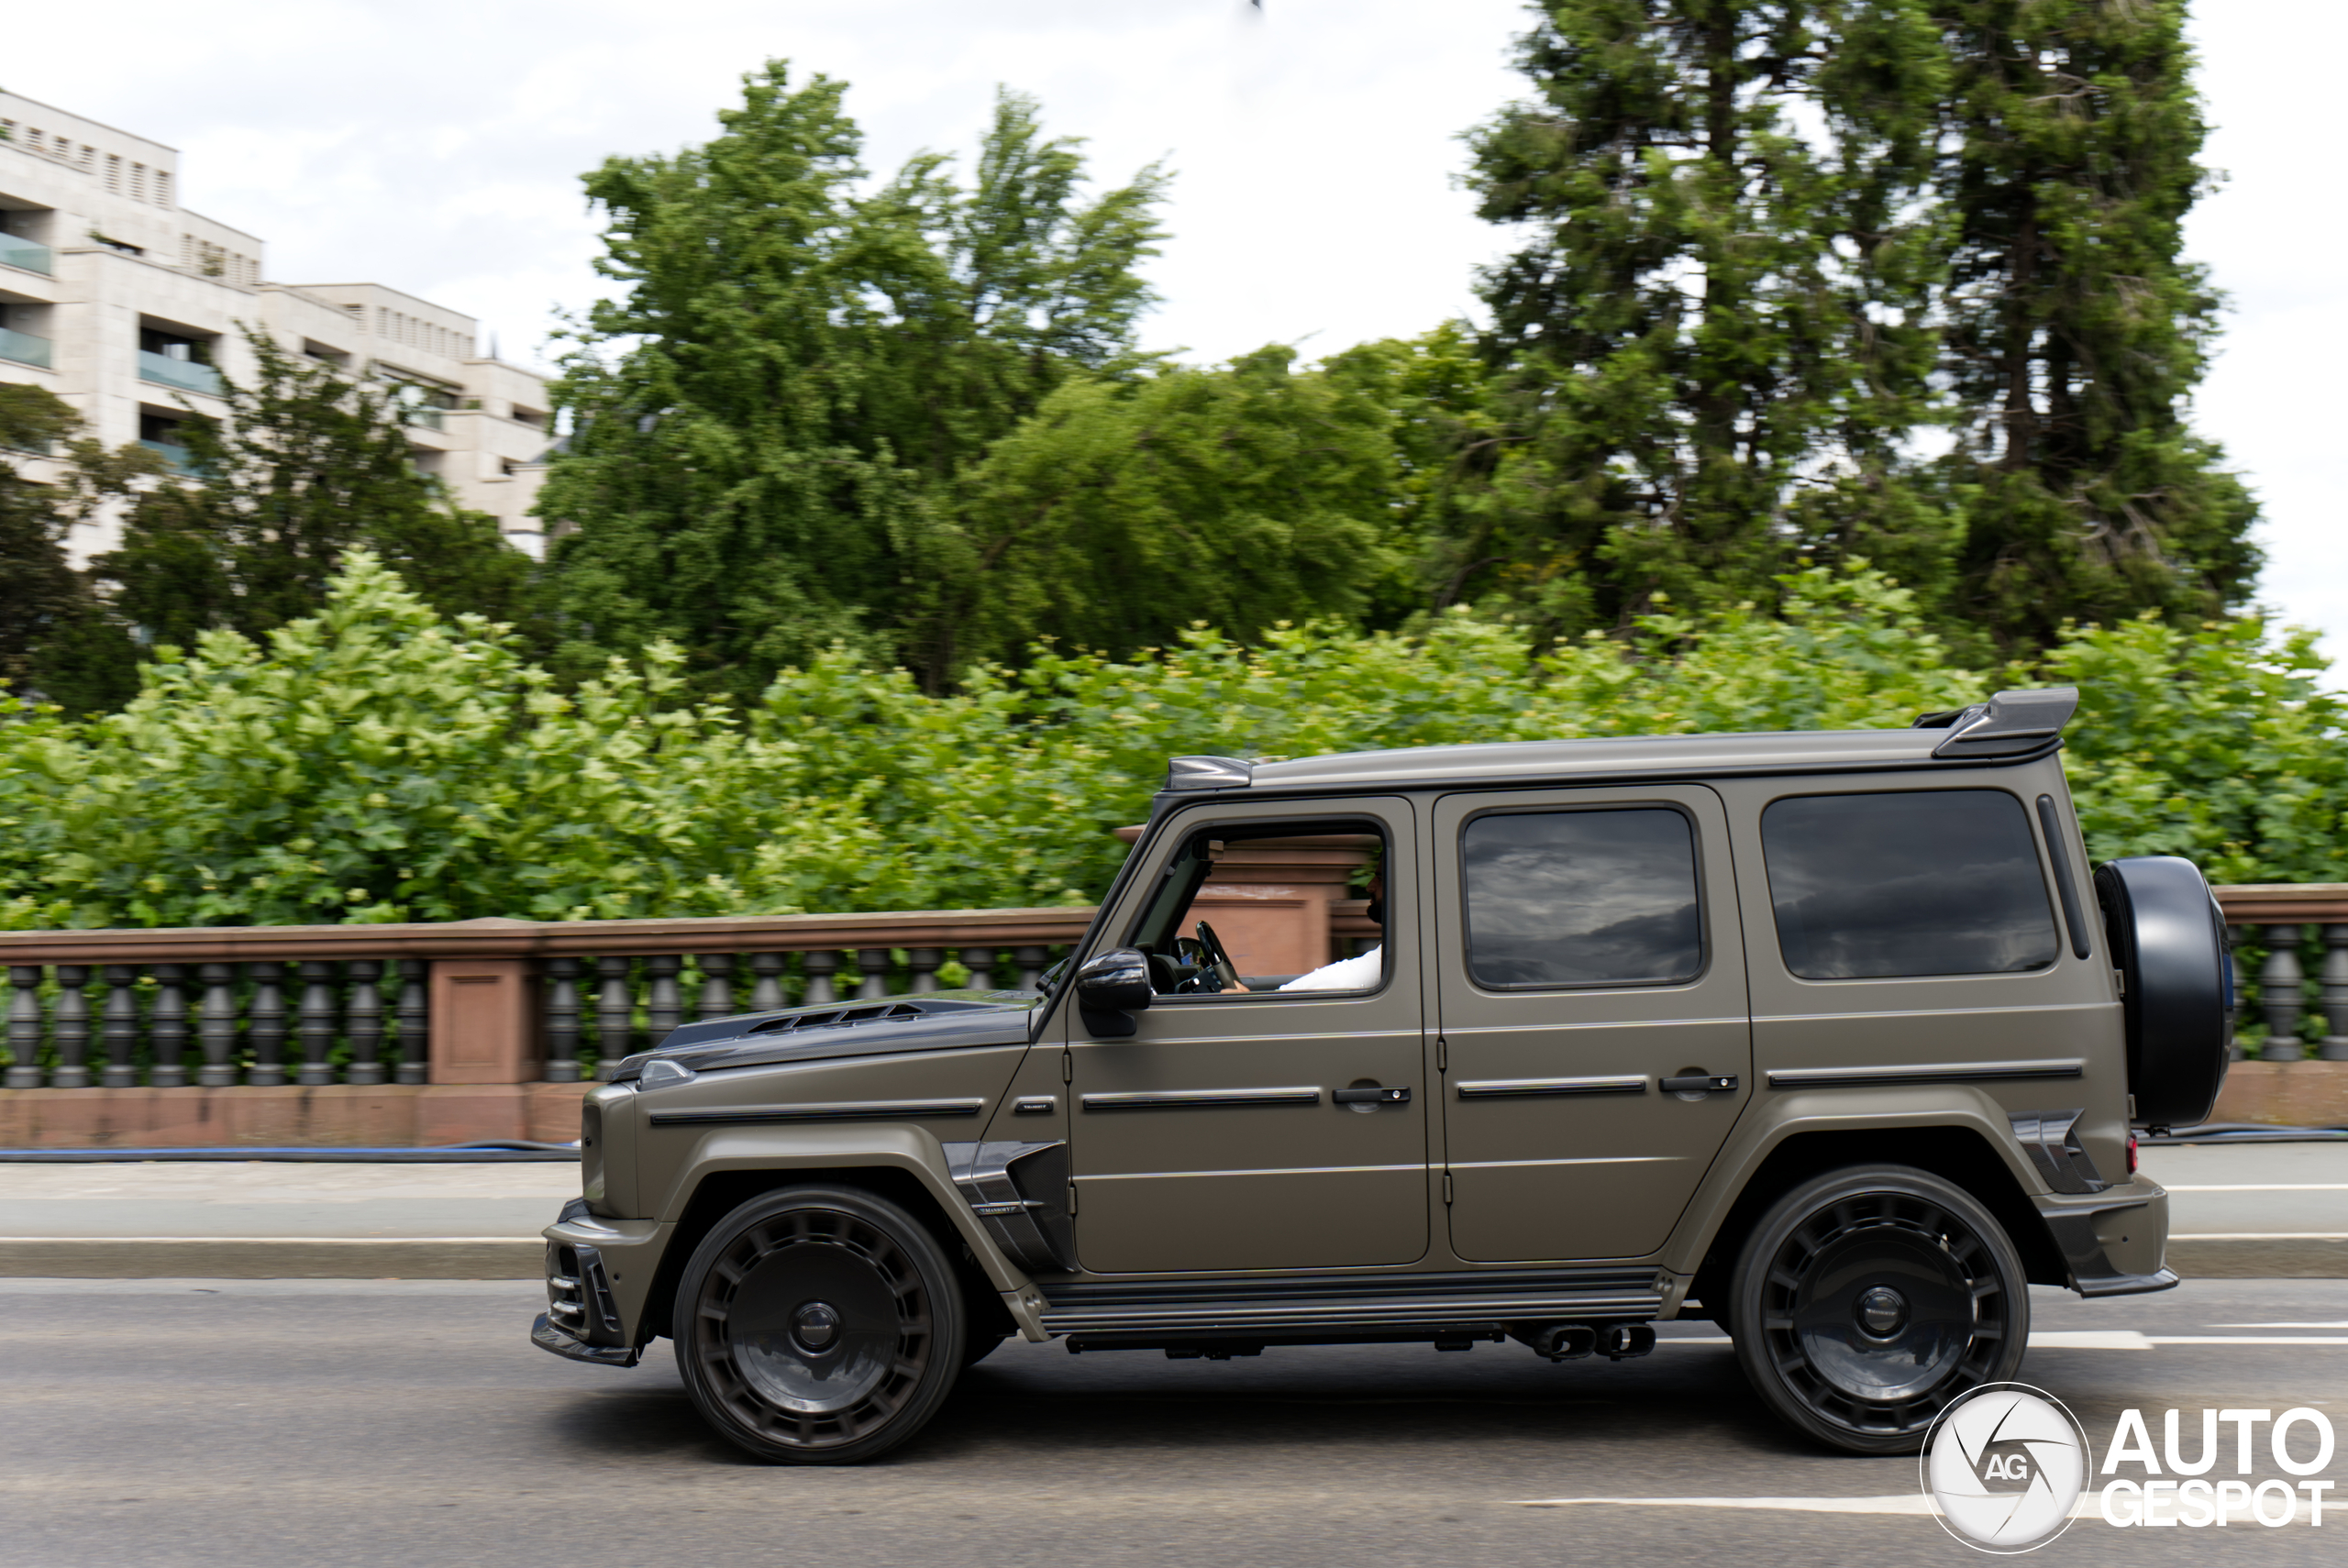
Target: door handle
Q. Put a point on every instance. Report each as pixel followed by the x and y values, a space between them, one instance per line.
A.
pixel 1400 1095
pixel 1699 1083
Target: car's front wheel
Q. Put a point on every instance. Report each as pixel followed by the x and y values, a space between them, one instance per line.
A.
pixel 1867 1298
pixel 819 1325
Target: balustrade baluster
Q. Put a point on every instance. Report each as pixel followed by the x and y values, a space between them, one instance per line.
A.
pixel 24 1028
pixel 363 1020
pixel 924 962
pixel 265 1023
pixel 979 961
pixel 820 965
pixel 666 1008
pixel 119 1026
pixel 69 1027
pixel 614 1013
pixel 216 1025
pixel 563 1020
pixel 1032 962
pixel 416 1019
pixel 716 985
pixel 872 973
pixel 316 1023
pixel 2281 996
pixel 167 1029
pixel 2335 993
pixel 766 993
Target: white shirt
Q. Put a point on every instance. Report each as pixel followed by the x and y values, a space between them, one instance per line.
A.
pixel 1357 973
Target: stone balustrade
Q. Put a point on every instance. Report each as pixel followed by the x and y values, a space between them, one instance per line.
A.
pixel 488 1001
pixel 2282 934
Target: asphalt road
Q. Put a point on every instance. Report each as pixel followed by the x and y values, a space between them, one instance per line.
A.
pixel 354 1423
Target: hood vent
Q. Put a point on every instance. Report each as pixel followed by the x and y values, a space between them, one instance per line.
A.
pixel 873 1012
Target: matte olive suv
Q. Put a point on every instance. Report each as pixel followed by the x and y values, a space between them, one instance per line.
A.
pixel 1827 1037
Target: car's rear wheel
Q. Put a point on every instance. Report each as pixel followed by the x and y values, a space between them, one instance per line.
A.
pixel 819 1325
pixel 1867 1298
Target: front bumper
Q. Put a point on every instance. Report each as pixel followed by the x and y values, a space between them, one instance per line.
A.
pixel 547 1336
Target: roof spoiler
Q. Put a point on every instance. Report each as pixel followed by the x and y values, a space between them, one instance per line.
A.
pixel 1188 773
pixel 2008 725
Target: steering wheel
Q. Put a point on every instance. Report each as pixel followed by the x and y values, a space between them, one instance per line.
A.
pixel 1225 970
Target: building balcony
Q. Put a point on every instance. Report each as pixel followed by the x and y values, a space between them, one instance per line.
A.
pixel 179 459
pixel 32 256
pixel 185 374
pixel 427 417
pixel 25 348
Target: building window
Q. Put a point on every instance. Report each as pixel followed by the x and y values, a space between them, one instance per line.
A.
pixel 114 174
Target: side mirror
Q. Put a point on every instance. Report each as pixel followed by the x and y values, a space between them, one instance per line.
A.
pixel 1110 988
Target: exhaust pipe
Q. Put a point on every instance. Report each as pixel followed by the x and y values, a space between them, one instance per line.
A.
pixel 1624 1341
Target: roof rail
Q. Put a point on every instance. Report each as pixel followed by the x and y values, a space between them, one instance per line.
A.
pixel 2008 725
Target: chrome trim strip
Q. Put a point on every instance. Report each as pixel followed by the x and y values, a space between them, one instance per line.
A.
pixel 1432 1311
pixel 835 1111
pixel 1924 1012
pixel 1171 1100
pixel 1463 1031
pixel 1272 1171
pixel 1526 1088
pixel 1926 1072
pixel 1595 1160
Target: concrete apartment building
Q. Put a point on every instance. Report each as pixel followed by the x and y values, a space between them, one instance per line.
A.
pixel 129 307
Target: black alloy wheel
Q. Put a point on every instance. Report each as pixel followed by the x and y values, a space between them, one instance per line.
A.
pixel 1867 1298
pixel 819 1325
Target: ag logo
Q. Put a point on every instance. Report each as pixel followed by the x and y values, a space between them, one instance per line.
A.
pixel 2004 1464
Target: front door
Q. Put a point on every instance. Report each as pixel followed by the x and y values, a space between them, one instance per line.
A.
pixel 1257 1129
pixel 1592 1011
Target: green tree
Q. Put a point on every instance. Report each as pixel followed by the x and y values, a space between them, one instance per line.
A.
pixel 306 466
pixel 56 638
pixel 2076 331
pixel 1125 510
pixel 1715 334
pixel 768 426
pixel 39 590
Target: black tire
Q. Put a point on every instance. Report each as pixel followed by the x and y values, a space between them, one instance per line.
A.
pixel 1862 1371
pixel 819 1325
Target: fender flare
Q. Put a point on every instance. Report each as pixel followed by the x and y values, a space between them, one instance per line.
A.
pixel 910 1150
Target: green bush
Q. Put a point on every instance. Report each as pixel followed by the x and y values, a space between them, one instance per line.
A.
pixel 380 763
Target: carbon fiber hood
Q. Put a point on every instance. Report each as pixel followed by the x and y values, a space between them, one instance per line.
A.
pixel 937 1021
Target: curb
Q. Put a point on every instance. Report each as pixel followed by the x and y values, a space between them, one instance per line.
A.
pixel 292 1257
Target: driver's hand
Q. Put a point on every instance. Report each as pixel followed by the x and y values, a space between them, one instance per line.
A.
pixel 1234 986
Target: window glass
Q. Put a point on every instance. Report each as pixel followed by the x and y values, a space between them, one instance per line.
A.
pixel 1581 899
pixel 1228 918
pixel 1878 886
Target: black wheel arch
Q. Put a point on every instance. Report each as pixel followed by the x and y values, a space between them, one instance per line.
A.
pixel 1957 1154
pixel 719 1192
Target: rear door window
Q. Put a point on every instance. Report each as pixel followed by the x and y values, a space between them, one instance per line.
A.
pixel 1905 885
pixel 1602 898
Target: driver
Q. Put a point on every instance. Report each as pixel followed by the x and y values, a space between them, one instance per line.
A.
pixel 1355 974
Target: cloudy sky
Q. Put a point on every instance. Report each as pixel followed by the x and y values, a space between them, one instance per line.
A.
pixel 436 146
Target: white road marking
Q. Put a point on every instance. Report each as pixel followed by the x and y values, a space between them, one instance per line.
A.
pixel 2279 1325
pixel 2270 1186
pixel 2088 1506
pixel 2116 1339
pixel 260 1241
pixel 2263 1236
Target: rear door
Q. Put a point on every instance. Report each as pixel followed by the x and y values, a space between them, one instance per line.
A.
pixel 1587 948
